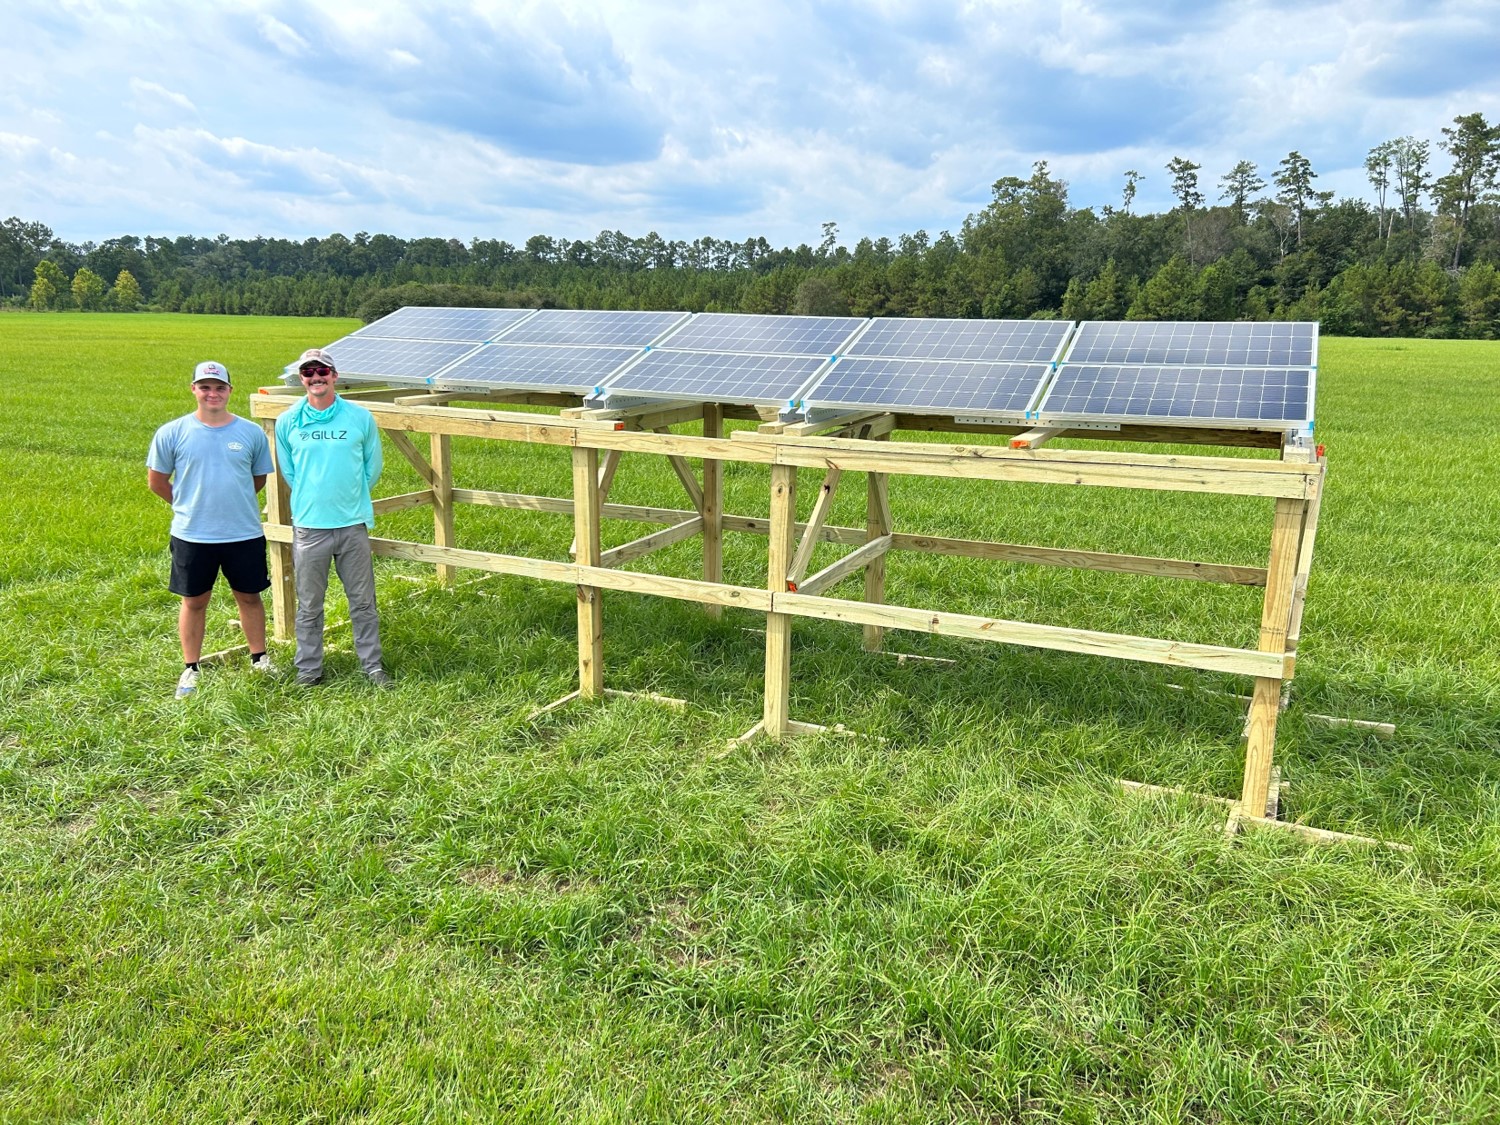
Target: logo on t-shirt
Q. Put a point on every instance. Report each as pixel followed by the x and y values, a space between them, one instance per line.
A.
pixel 235 447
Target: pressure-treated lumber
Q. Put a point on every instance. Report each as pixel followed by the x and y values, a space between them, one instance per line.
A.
pixel 1035 439
pixel 590 605
pixel 778 681
pixel 408 450
pixel 713 504
pixel 1265 705
pixel 442 502
pixel 831 575
pixel 1083 560
pixel 401 501
pixel 803 558
pixel 878 528
pixel 646 544
pixel 283 585
pixel 1181 654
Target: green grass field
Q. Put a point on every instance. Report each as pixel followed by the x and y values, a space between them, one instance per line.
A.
pixel 270 905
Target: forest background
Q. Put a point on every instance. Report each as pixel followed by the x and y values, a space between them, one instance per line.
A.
pixel 1421 258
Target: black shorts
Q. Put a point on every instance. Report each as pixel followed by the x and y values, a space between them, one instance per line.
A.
pixel 195 566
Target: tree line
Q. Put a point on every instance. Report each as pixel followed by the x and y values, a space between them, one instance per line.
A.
pixel 1420 257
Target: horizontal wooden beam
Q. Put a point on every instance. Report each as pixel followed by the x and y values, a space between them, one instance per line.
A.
pixel 1082 560
pixel 402 501
pixel 1035 439
pixel 1181 654
pixel 854 560
pixel 646 544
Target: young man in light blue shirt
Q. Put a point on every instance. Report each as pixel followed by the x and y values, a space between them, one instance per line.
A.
pixel 328 450
pixel 209 465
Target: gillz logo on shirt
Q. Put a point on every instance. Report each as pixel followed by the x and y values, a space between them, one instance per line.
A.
pixel 324 435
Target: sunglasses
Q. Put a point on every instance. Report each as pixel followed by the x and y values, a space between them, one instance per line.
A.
pixel 316 369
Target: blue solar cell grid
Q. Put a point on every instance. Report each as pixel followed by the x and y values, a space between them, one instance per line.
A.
pixel 991 341
pixel 930 386
pixel 536 367
pixel 359 357
pixel 474 326
pixel 716 377
pixel 751 334
pixel 1221 344
pixel 626 328
pixel 1229 396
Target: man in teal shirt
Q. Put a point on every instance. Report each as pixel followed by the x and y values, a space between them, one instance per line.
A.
pixel 328 451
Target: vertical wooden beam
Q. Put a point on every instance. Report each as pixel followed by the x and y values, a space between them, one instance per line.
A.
pixel 1304 557
pixel 779 625
pixel 283 584
pixel 713 505
pixel 606 481
pixel 586 507
pixel 1275 622
pixel 442 502
pixel 877 523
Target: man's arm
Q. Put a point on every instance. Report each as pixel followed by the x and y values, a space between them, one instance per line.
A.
pixel 374 455
pixel 160 483
pixel 260 481
pixel 284 455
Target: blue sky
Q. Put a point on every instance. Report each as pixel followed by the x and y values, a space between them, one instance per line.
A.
pixel 769 117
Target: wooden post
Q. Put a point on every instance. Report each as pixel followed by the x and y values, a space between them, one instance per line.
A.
pixel 713 505
pixel 590 606
pixel 877 523
pixel 1275 620
pixel 779 625
pixel 442 502
pixel 283 584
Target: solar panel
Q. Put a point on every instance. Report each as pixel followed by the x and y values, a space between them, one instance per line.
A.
pixel 472 325
pixel 568 326
pixel 716 377
pixel 535 366
pixel 358 357
pixel 757 334
pixel 1226 396
pixel 926 386
pixel 992 341
pixel 1226 344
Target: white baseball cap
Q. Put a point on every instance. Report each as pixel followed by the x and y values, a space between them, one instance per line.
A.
pixel 211 369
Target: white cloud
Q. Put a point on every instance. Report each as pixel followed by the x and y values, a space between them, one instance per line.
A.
pixel 280 36
pixel 149 94
pixel 512 117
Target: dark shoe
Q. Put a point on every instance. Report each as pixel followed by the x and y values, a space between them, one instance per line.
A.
pixel 381 679
pixel 310 681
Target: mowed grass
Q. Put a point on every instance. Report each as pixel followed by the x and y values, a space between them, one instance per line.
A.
pixel 273 905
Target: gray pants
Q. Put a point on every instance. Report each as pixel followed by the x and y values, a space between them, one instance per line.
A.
pixel 349 550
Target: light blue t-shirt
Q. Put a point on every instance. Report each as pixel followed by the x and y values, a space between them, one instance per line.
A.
pixel 330 459
pixel 213 495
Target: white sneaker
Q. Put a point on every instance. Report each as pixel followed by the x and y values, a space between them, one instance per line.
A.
pixel 187 683
pixel 263 666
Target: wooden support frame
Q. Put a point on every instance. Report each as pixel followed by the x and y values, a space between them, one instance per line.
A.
pixel 853 443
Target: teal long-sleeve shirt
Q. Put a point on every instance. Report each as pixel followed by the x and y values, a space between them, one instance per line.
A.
pixel 330 459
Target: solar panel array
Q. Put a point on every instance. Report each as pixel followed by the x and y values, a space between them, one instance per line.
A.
pixel 1227 396
pixel 1249 375
pixel 741 358
pixel 979 368
pixel 473 326
pixel 1220 344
